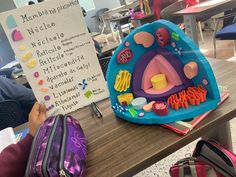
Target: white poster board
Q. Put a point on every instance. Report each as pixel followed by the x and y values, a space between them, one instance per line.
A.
pixel 57 54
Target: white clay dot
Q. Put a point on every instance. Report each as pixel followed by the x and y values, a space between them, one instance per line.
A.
pixel 205 82
pixel 141 114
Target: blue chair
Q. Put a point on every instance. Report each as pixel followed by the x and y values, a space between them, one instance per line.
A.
pixel 227 32
pixel 11 114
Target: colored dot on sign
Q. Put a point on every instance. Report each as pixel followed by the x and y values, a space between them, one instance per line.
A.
pixel 27 56
pixel 32 63
pixel 205 82
pixel 127 43
pixel 50 107
pixel 47 98
pixel 36 74
pixel 88 94
pixel 16 35
pixel 10 21
pixel 44 89
pixel 40 82
pixel 22 48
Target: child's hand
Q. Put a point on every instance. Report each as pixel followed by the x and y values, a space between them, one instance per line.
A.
pixel 36 117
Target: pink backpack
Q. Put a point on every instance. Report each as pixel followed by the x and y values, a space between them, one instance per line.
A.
pixel 192 167
pixel 214 154
pixel 210 159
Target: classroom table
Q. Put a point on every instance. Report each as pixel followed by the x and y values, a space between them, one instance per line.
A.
pixel 120 148
pixel 208 7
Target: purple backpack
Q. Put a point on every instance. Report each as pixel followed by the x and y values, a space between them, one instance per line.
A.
pixel 58 149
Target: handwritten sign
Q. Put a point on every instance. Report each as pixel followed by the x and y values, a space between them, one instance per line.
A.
pixel 57 54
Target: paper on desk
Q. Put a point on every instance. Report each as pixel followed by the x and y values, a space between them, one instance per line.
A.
pixel 7 137
pixel 57 54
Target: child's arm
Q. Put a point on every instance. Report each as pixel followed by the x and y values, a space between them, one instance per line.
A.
pixel 13 159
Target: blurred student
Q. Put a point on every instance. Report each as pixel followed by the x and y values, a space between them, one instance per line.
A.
pixel 14 158
pixel 10 90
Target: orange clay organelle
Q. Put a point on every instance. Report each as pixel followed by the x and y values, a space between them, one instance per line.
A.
pixel 192 96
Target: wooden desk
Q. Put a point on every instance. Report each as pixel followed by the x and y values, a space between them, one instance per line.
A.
pixel 212 7
pixel 120 148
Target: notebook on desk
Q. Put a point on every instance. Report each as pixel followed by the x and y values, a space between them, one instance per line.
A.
pixel 7 137
pixel 183 127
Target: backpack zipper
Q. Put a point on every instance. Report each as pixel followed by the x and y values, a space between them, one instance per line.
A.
pixel 31 156
pixel 48 148
pixel 29 166
pixel 62 171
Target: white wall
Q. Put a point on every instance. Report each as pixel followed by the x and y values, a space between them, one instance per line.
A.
pixel 6 5
pixel 93 22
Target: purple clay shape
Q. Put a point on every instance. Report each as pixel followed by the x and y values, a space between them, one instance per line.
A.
pixel 47 98
pixel 36 74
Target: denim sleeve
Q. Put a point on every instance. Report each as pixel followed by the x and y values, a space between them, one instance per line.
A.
pixel 11 90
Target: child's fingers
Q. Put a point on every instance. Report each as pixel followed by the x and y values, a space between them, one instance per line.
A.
pixel 36 107
pixel 35 110
pixel 42 108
